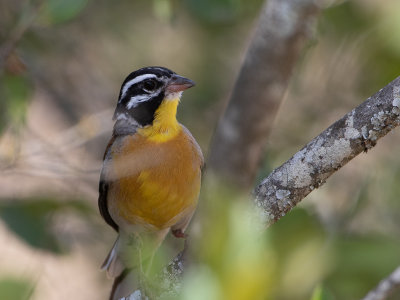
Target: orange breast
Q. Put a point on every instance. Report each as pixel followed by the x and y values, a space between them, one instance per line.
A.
pixel 155 183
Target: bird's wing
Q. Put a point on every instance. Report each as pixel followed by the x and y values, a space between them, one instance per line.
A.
pixel 196 147
pixel 103 190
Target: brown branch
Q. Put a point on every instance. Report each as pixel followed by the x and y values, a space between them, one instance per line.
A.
pixel 357 131
pixel 386 287
pixel 282 31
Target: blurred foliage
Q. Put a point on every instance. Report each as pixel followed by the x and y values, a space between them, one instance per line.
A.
pixel 15 289
pixel 31 220
pixel 348 265
pixel 163 9
pixel 15 83
pixel 361 262
pixel 233 260
pixel 300 257
pixel 216 11
pixel 297 258
pixel 59 11
pixel 321 293
pixel 19 89
pixel 379 36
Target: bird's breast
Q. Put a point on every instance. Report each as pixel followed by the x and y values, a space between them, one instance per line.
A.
pixel 155 183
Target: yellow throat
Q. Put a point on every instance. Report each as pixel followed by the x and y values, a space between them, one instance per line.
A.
pixel 165 126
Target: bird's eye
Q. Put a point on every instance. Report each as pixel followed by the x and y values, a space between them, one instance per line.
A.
pixel 149 85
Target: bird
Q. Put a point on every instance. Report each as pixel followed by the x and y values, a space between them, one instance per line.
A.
pixel 151 173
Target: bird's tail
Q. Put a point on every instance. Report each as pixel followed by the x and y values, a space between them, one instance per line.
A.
pixel 130 260
pixel 124 284
pixel 112 264
pixel 123 277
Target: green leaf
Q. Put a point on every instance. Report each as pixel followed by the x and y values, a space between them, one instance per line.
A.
pixel 59 11
pixel 31 220
pixel 15 289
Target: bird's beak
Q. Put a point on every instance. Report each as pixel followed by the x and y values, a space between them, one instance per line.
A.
pixel 178 84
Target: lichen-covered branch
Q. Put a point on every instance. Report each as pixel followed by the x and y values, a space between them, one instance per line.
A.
pixel 357 131
pixel 386 287
pixel 282 31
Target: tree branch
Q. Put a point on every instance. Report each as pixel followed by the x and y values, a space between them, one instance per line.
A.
pixel 386 287
pixel 282 31
pixel 308 169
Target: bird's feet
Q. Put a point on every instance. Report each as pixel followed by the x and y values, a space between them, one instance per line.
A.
pixel 178 233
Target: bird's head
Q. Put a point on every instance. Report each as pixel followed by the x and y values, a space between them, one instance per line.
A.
pixel 144 90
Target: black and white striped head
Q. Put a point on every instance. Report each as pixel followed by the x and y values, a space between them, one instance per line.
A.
pixel 143 91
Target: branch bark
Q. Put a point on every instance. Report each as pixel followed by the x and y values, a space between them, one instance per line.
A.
pixel 308 169
pixel 386 287
pixel 282 31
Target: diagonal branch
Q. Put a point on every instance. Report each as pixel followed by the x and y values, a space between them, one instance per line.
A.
pixel 386 287
pixel 308 169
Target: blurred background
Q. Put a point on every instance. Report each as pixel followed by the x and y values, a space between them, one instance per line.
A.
pixel 61 66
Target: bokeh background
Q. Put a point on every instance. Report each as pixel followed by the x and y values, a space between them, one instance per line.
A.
pixel 65 61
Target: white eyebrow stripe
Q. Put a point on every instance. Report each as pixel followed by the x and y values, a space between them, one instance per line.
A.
pixel 134 101
pixel 135 80
pixel 161 69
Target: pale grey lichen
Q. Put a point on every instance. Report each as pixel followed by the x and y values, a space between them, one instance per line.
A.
pixel 372 135
pixel 283 201
pixel 396 95
pixel 281 194
pixel 350 132
pixel 378 120
pixel 396 100
pixel 298 170
pixel 262 190
pixel 364 132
